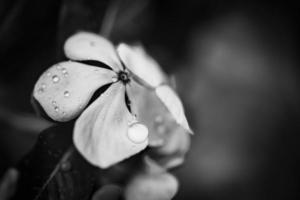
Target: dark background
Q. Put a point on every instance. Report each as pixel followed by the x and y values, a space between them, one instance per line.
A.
pixel 237 72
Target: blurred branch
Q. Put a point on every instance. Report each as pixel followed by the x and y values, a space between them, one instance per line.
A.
pixel 110 18
pixel 127 13
pixel 25 122
pixel 8 184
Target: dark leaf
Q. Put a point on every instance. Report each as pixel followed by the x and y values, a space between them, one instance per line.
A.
pixel 8 184
pixel 108 192
pixel 54 169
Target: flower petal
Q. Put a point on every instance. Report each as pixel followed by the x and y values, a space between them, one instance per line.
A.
pixel 152 184
pixel 90 46
pixel 171 141
pixel 172 153
pixel 101 132
pixel 66 88
pixel 147 107
pixel 145 68
pixel 170 99
pixel 151 111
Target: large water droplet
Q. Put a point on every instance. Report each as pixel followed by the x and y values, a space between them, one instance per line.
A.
pixel 55 79
pixel 137 133
pixel 66 93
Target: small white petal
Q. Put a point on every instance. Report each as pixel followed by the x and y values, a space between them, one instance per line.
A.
pixel 90 46
pixel 145 68
pixel 64 97
pixel 100 133
pixel 170 99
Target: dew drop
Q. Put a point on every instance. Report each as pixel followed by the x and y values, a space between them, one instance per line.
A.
pixel 55 79
pixel 44 85
pixel 56 109
pixel 114 79
pixel 53 103
pixel 40 90
pixel 58 67
pixel 64 71
pixel 137 133
pixel 66 94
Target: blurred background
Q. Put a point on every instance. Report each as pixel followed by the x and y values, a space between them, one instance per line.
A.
pixel 236 70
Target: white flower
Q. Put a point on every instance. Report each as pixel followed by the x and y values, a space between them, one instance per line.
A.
pixel 107 130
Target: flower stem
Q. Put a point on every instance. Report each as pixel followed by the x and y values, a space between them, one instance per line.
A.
pixel 64 158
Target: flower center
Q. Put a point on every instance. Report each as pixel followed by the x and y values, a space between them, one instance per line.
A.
pixel 124 77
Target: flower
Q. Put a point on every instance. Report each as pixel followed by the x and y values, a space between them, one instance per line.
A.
pixel 111 128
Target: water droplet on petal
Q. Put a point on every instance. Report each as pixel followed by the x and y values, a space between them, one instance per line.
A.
pixel 40 90
pixel 114 79
pixel 55 79
pixel 56 109
pixel 66 93
pixel 54 103
pixel 58 67
pixel 64 71
pixel 137 133
pixel 44 85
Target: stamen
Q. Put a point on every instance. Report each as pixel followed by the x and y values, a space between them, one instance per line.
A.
pixel 124 77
